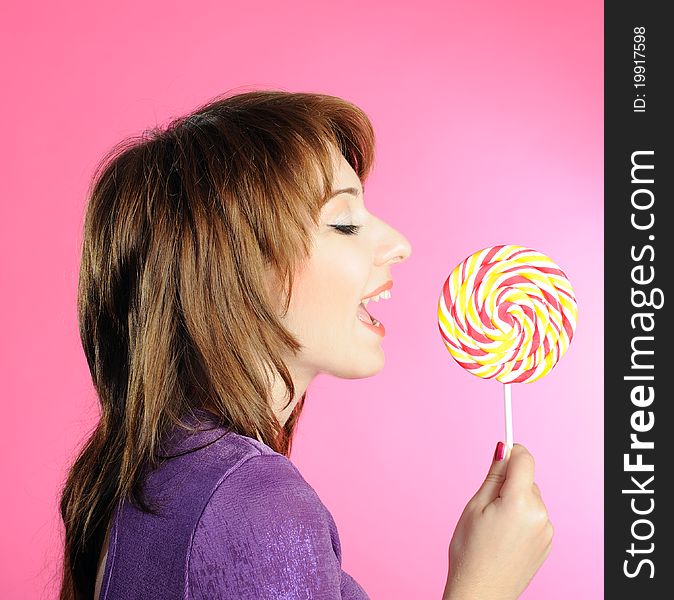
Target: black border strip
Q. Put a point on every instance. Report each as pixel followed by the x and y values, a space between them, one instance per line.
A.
pixel 639 344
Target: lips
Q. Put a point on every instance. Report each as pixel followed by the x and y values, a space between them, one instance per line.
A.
pixel 382 288
pixel 363 313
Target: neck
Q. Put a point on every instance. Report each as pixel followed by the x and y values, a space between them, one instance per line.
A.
pixel 301 377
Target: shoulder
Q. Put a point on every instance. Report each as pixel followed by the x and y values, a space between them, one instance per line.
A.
pixel 267 490
pixel 264 528
pixel 246 473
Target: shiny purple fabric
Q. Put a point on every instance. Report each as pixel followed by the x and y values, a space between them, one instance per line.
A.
pixel 236 520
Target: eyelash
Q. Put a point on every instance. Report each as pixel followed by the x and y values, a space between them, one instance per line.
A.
pixel 347 229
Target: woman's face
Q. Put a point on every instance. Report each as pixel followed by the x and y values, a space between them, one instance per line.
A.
pixel 343 268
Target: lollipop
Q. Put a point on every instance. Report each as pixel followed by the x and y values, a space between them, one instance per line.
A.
pixel 508 313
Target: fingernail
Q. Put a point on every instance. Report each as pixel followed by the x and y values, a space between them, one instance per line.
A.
pixel 499 453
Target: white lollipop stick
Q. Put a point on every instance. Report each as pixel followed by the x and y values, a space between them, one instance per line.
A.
pixel 508 415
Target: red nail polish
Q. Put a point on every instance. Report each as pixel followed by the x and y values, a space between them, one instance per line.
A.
pixel 499 453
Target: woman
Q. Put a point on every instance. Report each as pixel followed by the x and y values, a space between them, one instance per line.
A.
pixel 225 263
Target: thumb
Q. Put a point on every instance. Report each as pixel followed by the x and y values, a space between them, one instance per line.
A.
pixel 491 487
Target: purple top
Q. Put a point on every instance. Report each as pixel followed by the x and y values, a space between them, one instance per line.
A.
pixel 237 521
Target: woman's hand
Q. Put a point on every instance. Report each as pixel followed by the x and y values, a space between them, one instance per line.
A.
pixel 503 535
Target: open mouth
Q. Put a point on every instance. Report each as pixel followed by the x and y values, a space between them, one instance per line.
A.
pixel 366 317
pixel 382 292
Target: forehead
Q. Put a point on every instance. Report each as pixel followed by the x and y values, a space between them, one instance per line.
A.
pixel 346 185
pixel 344 177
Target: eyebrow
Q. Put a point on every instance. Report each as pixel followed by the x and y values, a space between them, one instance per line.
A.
pixel 350 190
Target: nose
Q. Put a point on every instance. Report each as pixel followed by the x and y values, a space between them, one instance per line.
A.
pixel 395 248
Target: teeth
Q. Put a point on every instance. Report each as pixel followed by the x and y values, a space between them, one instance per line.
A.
pixel 386 294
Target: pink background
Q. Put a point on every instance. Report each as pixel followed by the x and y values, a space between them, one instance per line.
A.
pixel 489 117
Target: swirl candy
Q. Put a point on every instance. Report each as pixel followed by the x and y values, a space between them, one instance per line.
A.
pixel 507 312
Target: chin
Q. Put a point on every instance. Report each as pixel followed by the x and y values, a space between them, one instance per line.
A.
pixel 367 366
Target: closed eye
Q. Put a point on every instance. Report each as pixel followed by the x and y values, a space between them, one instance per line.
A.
pixel 347 229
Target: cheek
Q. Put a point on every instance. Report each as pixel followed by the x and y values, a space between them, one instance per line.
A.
pixel 331 287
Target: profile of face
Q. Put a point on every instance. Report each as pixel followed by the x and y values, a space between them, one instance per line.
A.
pixel 343 268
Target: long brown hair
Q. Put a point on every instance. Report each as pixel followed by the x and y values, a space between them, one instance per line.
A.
pixel 182 225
